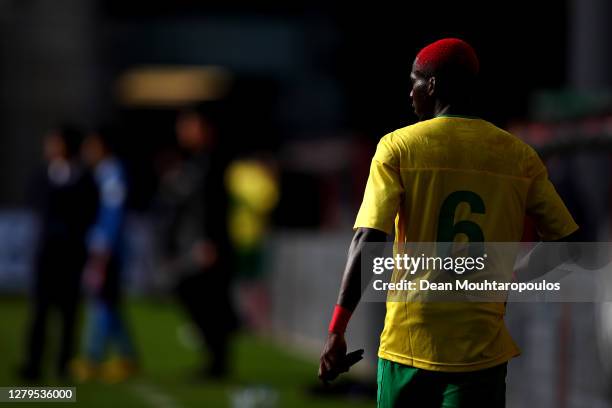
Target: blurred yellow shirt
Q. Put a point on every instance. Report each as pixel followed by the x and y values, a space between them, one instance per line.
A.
pixel 443 179
pixel 255 192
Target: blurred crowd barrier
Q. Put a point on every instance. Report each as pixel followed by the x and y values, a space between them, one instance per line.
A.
pixel 18 236
pixel 18 232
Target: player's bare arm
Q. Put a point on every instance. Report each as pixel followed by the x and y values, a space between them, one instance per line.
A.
pixel 334 359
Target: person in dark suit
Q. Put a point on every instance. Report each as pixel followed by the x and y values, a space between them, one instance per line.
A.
pixel 64 197
pixel 197 250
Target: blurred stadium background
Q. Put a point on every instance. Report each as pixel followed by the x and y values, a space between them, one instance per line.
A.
pixel 310 86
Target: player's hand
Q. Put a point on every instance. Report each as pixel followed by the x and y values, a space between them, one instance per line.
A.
pixel 334 360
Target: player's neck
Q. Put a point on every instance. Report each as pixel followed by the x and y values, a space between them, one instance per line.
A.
pixel 454 109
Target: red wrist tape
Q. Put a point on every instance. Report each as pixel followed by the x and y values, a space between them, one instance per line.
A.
pixel 339 320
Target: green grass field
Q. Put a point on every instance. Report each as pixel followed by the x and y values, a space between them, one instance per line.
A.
pixel 166 363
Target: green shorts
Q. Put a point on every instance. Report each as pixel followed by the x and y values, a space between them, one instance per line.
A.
pixel 404 386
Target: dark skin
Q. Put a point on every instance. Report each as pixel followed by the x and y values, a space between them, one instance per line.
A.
pixel 433 95
pixel 428 103
pixel 334 360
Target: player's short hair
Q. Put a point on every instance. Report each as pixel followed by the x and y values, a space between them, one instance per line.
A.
pixel 450 57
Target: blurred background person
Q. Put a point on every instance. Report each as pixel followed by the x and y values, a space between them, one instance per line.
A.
pixel 253 185
pixel 64 196
pixel 105 325
pixel 196 247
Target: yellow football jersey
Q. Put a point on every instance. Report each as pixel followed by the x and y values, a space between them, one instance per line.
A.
pixel 431 178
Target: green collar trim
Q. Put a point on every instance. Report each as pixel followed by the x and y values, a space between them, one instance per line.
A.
pixel 447 115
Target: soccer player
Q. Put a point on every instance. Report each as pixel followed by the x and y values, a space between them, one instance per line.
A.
pixel 450 175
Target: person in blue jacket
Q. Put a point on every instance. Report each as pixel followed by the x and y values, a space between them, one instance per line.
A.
pixel 105 326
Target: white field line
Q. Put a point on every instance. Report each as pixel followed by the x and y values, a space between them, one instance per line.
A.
pixel 154 396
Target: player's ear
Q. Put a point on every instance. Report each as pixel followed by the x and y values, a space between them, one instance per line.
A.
pixel 431 86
